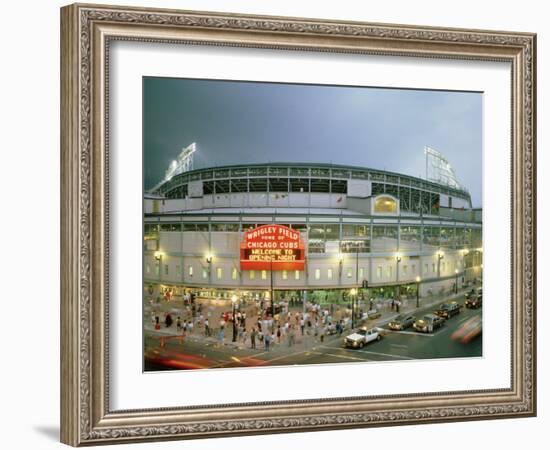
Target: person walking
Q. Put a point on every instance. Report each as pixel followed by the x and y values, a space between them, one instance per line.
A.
pixel 291 336
pixel 206 328
pixel 279 334
pixel 302 325
pixel 267 339
pixel 253 338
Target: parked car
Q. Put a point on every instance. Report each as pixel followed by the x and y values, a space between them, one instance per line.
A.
pixel 474 302
pixel 428 323
pixel 448 310
pixel 363 336
pixel 401 322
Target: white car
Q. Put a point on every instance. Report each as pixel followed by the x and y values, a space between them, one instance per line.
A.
pixel 361 337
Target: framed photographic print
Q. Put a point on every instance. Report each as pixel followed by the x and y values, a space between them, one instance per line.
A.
pixel 276 225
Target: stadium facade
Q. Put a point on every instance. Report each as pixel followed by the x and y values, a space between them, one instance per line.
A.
pixel 382 233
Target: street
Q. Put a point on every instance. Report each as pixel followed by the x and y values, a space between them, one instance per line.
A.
pixel 196 352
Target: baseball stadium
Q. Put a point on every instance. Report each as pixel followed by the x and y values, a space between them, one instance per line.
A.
pixel 312 232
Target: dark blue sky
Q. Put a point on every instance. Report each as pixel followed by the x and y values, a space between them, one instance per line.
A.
pixel 248 122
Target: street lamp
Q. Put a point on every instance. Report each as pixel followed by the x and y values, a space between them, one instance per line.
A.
pixel 353 293
pixel 417 292
pixel 234 302
pixel 456 281
pixel 440 256
pixel 397 261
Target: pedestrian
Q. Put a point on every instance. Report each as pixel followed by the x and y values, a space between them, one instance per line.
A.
pixel 267 339
pixel 168 320
pixel 206 328
pixel 178 323
pixel 322 334
pixel 190 326
pixel 279 334
pixel 397 303
pixel 291 336
pixel 302 325
pixel 253 338
pixel 244 336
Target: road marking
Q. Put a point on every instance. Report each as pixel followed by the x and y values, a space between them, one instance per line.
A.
pixel 399 346
pixel 386 354
pixel 340 356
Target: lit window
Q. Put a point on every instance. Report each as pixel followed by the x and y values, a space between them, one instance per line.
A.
pixel 190 271
pixel 285 275
pixel 296 274
pixel 349 272
pixel 329 274
pixel 205 273
pixel 252 274
pixel 385 204
pixel 361 273
pixel 219 273
pixel 317 274
pixel 234 273
pixel 264 274
pixel 147 268
pixel 379 272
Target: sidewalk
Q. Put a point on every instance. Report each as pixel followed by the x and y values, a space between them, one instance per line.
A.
pixel 302 343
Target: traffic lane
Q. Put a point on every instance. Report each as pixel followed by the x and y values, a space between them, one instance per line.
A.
pixel 434 345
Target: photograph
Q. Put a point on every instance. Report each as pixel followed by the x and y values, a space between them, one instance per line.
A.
pixel 293 224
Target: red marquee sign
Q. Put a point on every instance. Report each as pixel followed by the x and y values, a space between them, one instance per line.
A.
pixel 272 247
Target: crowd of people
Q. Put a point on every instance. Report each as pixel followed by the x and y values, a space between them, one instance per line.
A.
pixel 256 324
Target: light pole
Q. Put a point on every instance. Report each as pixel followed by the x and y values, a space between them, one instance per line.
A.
pixel 439 258
pixel 417 292
pixel 353 293
pixel 456 281
pixel 209 259
pixel 234 302
pixel 158 259
pixel 397 261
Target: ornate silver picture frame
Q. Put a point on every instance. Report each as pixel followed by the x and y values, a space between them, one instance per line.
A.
pixel 87 33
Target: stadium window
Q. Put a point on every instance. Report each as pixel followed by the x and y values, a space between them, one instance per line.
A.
pixel 361 273
pixel 296 274
pixel 219 273
pixel 190 271
pixel 252 274
pixel 285 275
pixel 425 268
pixel 379 272
pixel 385 205
pixel 413 268
pixel 166 269
pixel 405 268
pixel 349 272
pixel 389 271
pixel 264 274
pixel 178 271
pixel 147 268
pixel 329 274
pixel 204 274
pixel 433 267
pixel 234 273
pixel 317 274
